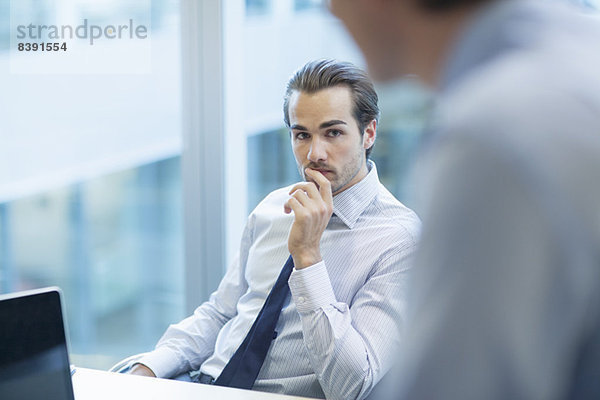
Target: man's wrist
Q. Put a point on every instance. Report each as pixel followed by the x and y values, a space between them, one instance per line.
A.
pixel 306 259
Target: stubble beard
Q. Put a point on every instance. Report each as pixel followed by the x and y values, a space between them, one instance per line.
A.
pixel 339 180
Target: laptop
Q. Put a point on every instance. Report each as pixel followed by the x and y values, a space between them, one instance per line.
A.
pixel 34 360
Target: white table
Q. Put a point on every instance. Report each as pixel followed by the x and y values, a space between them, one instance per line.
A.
pixel 89 384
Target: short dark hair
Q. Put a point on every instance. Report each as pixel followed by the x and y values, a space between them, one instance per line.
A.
pixel 322 74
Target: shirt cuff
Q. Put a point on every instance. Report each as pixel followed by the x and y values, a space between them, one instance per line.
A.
pixel 311 288
pixel 162 361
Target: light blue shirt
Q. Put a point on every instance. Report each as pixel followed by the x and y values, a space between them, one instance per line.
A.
pixel 506 298
pixel 337 333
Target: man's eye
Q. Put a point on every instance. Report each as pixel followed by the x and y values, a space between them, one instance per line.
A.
pixel 334 133
pixel 301 135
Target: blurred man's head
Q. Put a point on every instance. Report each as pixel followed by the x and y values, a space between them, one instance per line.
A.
pixel 399 37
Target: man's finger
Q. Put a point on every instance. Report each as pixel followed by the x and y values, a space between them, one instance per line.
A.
pixel 309 188
pixel 323 184
pixel 293 205
pixel 302 196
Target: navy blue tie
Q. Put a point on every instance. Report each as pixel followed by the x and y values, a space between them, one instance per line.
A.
pixel 241 371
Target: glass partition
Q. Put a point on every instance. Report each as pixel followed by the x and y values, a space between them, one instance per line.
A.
pixel 90 180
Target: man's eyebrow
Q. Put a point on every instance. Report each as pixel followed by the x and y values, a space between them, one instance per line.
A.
pixel 332 123
pixel 324 125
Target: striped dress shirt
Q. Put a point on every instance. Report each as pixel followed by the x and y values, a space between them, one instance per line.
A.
pixel 339 329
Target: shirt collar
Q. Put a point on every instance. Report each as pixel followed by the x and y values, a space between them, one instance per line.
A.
pixel 350 204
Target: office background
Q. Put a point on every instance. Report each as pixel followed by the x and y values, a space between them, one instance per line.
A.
pixel 130 191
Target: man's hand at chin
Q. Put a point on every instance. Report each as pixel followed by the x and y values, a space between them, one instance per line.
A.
pixel 312 204
pixel 141 370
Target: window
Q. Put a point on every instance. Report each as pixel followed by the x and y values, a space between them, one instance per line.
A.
pixel 92 164
pixel 258 7
pixel 300 5
pixel 90 181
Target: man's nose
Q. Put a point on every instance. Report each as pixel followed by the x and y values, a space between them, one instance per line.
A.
pixel 317 151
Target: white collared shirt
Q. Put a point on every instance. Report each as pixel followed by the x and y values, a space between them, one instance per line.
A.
pixel 337 331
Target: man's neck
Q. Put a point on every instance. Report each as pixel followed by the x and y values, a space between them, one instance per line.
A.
pixel 428 40
pixel 435 37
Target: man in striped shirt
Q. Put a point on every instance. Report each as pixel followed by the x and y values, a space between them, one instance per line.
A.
pixel 351 242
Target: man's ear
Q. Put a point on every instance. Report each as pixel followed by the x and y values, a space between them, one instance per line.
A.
pixel 370 134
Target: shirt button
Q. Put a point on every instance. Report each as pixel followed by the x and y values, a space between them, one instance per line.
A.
pixel 301 299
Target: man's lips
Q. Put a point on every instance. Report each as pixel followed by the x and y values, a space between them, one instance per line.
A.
pixel 323 171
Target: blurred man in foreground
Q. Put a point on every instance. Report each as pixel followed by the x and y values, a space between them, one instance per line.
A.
pixel 507 290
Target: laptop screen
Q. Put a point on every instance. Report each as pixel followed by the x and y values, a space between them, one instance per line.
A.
pixel 34 362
